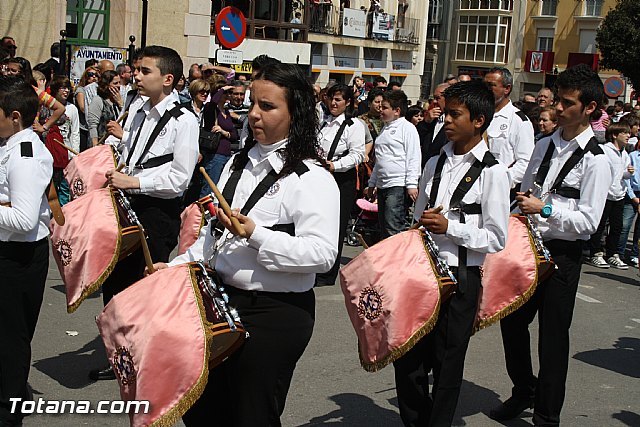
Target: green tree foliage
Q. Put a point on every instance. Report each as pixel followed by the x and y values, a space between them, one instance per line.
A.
pixel 619 40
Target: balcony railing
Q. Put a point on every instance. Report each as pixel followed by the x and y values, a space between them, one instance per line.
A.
pixel 327 19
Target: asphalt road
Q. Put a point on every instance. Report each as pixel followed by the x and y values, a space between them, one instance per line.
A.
pixel 330 387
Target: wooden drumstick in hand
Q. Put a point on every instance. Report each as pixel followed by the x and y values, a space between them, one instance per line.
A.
pixel 435 211
pixel 119 120
pixel 145 250
pixel 237 227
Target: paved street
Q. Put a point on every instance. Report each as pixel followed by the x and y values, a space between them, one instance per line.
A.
pixel 330 387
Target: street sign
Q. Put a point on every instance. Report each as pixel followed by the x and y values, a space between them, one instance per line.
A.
pixel 224 56
pixel 231 27
pixel 613 87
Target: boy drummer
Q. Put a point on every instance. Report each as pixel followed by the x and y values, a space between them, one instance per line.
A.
pixel 26 167
pixel 571 177
pixel 463 201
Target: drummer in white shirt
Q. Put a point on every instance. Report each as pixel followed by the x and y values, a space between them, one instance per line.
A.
pixel 290 235
pixel 567 204
pixel 342 141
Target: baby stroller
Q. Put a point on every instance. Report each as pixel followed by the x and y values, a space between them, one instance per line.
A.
pixel 364 225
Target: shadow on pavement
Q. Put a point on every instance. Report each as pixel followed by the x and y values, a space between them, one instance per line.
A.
pixel 357 410
pixel 622 358
pixel 628 418
pixel 475 399
pixel 71 369
pixel 633 281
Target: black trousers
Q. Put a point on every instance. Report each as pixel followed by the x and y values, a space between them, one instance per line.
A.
pixel 553 301
pixel 347 185
pixel 613 211
pixel 443 351
pixel 250 388
pixel 161 221
pixel 24 269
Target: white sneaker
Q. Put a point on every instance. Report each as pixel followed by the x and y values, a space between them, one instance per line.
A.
pixel 615 262
pixel 634 261
pixel 597 261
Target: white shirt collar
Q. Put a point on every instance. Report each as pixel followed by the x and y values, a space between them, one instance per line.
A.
pixel 163 105
pixel 582 139
pixel 271 153
pixel 478 151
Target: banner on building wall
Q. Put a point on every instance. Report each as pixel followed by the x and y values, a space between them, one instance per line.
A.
pixel 81 54
pixel 383 26
pixel 538 61
pixel 354 23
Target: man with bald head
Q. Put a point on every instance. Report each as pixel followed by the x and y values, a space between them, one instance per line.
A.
pixel 431 130
pixel 464 78
pixel 545 97
pixel 106 65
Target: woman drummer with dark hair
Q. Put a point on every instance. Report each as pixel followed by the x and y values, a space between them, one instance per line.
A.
pixel 290 227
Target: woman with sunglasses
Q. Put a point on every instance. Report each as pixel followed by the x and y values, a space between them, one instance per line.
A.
pixel 105 107
pixel 216 118
pixel 21 67
pixel 199 90
pixel 90 75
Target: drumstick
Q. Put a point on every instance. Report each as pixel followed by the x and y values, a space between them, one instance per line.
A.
pixel 237 227
pixel 361 240
pixel 145 250
pixel 118 169
pixel 71 150
pixel 119 120
pixel 436 211
pixel 515 202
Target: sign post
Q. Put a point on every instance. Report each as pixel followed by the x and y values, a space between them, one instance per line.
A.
pixel 231 27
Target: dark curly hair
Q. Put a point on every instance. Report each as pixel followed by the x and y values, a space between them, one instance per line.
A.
pixel 104 82
pixel 582 78
pixel 303 143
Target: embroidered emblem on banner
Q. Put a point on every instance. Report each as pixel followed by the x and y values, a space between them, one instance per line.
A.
pixel 503 126
pixel 78 187
pixel 370 304
pixel 63 248
pixel 123 366
pixel 274 189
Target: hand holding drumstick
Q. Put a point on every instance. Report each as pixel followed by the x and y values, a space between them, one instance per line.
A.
pixel 232 220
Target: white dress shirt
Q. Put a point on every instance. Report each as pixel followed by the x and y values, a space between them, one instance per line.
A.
pixel 179 136
pixel 619 162
pixel 271 260
pixel 398 156
pixel 23 182
pixel 571 219
pixel 352 139
pixel 439 125
pixel 137 103
pixel 480 234
pixel 511 140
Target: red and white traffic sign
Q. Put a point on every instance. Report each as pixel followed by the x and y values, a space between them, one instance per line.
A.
pixel 231 27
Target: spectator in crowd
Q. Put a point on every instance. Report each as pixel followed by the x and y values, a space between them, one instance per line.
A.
pixel 630 212
pixel 464 78
pixel 359 90
pixel 239 111
pixel 183 90
pixel 545 97
pixel 599 121
pixel 394 86
pixel 124 71
pixel 431 130
pixel 295 32
pixel 194 73
pixel 104 107
pixel 53 63
pixel 69 123
pixel 548 122
pixel 199 90
pixel 9 44
pixel 90 75
pixel 621 170
pixel 40 78
pixel 216 118
pixel 528 98
pixel 634 123
pixel 618 111
pixel 450 79
pixel 380 81
pixel 394 179
pixel 414 115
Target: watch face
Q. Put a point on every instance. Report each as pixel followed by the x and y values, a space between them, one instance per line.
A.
pixel 546 211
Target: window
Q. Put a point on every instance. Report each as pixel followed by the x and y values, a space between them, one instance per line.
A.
pixel 593 8
pixel 545 40
pixel 548 7
pixel 588 41
pixel 88 22
pixel 483 38
pixel 435 12
pixel 486 4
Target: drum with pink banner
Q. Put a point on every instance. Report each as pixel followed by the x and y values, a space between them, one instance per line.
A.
pixel 100 229
pixel 393 295
pixel 85 172
pixel 192 219
pixel 510 277
pixel 163 334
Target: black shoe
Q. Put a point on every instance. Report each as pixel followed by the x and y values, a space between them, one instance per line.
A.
pixel 511 408
pixel 102 374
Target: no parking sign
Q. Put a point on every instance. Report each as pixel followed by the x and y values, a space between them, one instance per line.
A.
pixel 231 27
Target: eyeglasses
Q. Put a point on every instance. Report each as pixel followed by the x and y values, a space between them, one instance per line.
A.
pixel 93 75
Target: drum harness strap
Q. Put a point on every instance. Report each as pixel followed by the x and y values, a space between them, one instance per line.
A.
pixel 260 190
pixel 336 140
pixel 568 192
pixel 456 203
pixel 175 112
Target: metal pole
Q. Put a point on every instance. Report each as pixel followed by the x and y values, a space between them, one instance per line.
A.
pixel 62 54
pixel 132 48
pixel 143 35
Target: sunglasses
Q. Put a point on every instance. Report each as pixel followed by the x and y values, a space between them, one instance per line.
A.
pixel 93 75
pixel 203 92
